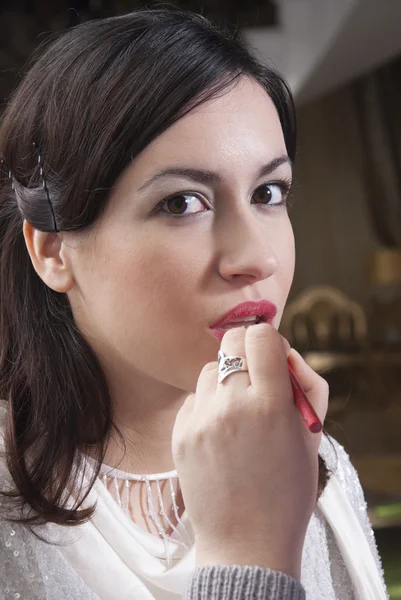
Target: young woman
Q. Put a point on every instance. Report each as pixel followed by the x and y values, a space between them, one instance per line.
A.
pixel 146 165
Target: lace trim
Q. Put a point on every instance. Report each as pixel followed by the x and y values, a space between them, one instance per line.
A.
pixel 112 472
pixel 156 509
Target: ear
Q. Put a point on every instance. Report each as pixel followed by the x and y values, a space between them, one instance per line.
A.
pixel 49 258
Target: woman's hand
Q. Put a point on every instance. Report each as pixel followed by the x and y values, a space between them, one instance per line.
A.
pixel 248 465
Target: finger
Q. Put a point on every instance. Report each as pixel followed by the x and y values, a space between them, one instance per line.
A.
pixel 314 386
pixel 287 346
pixel 267 364
pixel 233 344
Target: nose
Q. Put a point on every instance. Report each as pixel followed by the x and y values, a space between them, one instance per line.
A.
pixel 245 249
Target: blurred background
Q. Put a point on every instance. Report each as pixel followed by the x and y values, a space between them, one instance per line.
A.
pixel 342 59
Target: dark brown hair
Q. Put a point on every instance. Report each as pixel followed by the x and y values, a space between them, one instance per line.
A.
pixel 92 100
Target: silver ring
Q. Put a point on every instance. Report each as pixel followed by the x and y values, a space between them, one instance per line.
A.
pixel 230 364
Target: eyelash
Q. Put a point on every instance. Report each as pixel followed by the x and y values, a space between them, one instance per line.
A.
pixel 284 185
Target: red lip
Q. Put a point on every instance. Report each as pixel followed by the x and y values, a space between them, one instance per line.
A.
pixel 248 309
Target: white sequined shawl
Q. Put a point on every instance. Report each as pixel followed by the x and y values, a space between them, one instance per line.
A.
pixel 111 558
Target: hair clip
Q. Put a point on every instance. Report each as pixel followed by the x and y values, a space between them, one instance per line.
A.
pixel 39 158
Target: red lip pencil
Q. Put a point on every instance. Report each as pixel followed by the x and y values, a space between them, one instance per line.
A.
pixel 304 406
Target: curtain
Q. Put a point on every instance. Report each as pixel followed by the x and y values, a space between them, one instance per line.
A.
pixel 378 103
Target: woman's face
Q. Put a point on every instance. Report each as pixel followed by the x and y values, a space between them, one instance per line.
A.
pixel 151 281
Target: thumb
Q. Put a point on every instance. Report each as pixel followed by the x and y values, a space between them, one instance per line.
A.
pixel 287 346
pixel 315 387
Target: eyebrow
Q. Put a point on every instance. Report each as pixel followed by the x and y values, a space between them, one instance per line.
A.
pixel 209 177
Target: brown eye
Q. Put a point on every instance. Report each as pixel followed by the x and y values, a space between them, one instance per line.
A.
pixel 177 205
pixel 182 205
pixel 271 193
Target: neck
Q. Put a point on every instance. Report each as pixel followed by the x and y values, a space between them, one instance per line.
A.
pixel 146 420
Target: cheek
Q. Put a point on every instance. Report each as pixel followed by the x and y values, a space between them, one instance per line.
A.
pixel 285 252
pixel 288 260
pixel 148 308
pixel 149 284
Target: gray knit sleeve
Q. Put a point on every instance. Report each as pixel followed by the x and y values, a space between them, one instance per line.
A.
pixel 221 582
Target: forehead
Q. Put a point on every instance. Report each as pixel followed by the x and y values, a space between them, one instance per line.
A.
pixel 240 126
